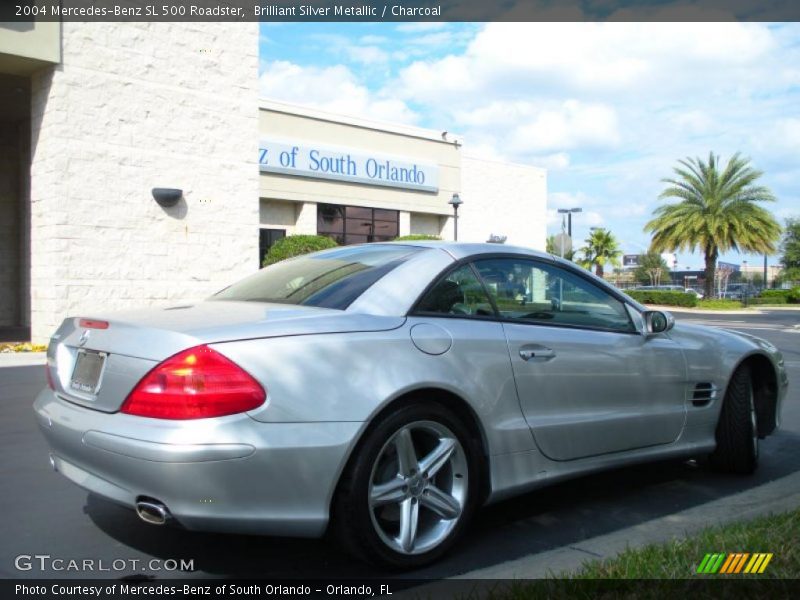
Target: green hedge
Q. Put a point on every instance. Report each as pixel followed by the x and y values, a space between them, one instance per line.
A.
pixel 791 296
pixel 295 245
pixel 769 300
pixel 774 293
pixel 417 237
pixel 663 297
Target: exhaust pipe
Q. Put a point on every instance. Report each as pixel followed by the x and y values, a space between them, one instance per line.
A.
pixel 152 511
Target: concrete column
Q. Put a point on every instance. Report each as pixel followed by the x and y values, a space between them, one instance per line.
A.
pixel 404 227
pixel 306 218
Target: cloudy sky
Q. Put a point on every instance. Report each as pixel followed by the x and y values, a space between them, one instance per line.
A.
pixel 607 108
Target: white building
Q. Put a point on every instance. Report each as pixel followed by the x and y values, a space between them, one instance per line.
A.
pixel 94 116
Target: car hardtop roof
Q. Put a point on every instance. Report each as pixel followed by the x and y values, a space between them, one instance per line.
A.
pixel 459 250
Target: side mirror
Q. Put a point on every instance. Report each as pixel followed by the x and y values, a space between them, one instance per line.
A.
pixel 657 321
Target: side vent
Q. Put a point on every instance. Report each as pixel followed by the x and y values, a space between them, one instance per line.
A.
pixel 704 393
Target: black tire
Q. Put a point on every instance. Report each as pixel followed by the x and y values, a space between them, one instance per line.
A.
pixel 355 521
pixel 737 429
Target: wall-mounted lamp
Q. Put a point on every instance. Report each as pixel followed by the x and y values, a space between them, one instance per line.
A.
pixel 167 197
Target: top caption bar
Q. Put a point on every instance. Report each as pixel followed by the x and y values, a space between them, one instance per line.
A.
pixel 20 11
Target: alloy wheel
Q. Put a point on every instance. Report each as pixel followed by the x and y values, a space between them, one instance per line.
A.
pixel 418 487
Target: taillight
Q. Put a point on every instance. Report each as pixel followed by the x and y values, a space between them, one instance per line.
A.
pixel 93 324
pixel 195 384
pixel 49 374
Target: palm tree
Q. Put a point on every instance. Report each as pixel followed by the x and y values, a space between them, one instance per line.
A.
pixel 717 211
pixel 601 249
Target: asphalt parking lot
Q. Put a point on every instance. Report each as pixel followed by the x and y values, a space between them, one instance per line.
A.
pixel 47 515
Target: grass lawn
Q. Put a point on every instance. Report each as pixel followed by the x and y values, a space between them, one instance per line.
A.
pixel 776 534
pixel 669 570
pixel 719 304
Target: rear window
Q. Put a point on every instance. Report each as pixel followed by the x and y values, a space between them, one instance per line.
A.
pixel 329 279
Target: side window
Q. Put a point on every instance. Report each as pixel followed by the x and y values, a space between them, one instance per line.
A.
pixel 547 294
pixel 459 293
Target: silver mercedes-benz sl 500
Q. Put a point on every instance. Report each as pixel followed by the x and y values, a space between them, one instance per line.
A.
pixel 384 392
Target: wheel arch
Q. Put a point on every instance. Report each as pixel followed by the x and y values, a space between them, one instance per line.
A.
pixel 765 390
pixel 446 398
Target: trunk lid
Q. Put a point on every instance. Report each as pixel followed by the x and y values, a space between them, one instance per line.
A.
pixel 98 367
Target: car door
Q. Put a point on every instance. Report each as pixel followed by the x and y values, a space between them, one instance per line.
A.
pixel 589 383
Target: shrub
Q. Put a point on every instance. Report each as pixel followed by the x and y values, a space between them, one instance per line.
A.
pixel 791 296
pixel 769 300
pixel 775 293
pixel 414 237
pixel 295 245
pixel 664 298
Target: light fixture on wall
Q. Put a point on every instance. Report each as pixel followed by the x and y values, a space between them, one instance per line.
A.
pixel 167 197
pixel 455 202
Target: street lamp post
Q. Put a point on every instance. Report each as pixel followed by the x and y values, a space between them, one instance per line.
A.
pixel 566 224
pixel 569 220
pixel 455 202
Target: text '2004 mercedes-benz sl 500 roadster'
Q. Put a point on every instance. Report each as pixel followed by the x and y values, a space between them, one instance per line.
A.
pixel 385 392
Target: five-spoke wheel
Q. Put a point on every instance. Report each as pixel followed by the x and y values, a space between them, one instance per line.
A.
pixel 418 487
pixel 409 488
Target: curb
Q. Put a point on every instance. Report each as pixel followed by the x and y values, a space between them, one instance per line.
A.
pixel 775 496
pixel 22 359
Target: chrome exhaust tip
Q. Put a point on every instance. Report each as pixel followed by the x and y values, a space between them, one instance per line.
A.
pixel 152 511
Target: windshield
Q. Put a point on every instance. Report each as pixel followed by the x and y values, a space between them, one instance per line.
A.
pixel 329 279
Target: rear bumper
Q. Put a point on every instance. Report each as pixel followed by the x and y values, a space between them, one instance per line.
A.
pixel 230 474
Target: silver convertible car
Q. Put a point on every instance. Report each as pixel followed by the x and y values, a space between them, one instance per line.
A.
pixel 384 392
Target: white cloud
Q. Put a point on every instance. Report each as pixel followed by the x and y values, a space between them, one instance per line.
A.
pixel 517 58
pixel 335 89
pixel 367 55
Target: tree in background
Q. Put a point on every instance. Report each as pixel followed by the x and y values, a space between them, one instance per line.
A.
pixel 790 249
pixel 552 247
pixel 601 249
pixel 648 263
pixel 716 211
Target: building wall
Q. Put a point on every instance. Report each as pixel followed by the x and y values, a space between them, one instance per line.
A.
pixel 275 214
pixel 10 224
pixel 502 199
pixel 306 125
pixel 423 224
pixel 135 106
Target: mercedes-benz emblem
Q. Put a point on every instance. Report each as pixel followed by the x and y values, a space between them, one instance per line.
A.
pixel 84 337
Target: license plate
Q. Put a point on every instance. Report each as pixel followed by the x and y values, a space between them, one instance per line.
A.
pixel 88 367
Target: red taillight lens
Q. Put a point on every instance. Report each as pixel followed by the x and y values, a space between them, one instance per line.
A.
pixel 93 324
pixel 49 374
pixel 195 384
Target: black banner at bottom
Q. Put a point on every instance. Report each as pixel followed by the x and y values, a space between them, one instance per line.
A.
pixel 394 589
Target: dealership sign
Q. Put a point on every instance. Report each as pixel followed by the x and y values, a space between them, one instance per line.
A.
pixel 630 260
pixel 344 164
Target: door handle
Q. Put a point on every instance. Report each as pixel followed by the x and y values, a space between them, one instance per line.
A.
pixel 540 353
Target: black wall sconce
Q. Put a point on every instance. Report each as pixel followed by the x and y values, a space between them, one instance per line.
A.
pixel 167 197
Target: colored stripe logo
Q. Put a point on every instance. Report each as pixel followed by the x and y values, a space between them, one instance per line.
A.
pixel 735 562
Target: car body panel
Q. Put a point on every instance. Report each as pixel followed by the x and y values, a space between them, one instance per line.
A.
pixel 601 391
pixel 282 486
